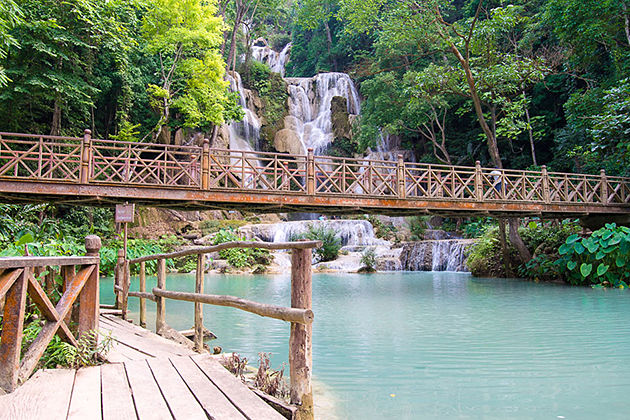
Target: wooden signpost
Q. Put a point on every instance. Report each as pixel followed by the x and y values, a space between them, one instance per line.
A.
pixel 125 215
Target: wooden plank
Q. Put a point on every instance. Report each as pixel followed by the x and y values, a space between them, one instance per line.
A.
pixel 116 394
pixel 213 401
pixel 160 308
pixel 179 398
pixel 147 396
pixel 37 399
pixel 86 394
pixel 143 340
pixel 199 278
pixel 237 392
pixel 20 262
pixel 143 288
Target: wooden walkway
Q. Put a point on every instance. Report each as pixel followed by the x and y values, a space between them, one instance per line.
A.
pixel 154 379
pixel 36 168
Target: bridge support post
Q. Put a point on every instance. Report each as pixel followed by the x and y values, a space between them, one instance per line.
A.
pixel 604 186
pixel 478 182
pixel 300 341
pixel 86 152
pixel 310 172
pixel 205 165
pixel 400 175
pixel 545 185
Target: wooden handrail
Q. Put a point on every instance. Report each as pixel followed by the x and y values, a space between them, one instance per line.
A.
pixel 301 316
pixel 18 277
pixel 229 245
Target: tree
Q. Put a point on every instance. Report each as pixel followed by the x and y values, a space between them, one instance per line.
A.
pixel 185 35
pixel 10 16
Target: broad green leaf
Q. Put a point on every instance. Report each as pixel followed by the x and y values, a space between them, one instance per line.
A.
pixel 620 261
pixel 601 269
pixel 573 238
pixel 579 248
pixel 564 249
pixel 600 255
pixel 585 269
pixel 571 265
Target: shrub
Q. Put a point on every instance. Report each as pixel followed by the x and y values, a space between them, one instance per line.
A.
pixel 240 257
pixel 331 244
pixel 603 259
pixel 368 259
pixel 417 226
pixel 268 380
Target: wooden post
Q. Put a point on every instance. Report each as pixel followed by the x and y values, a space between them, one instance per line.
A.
pixel 160 312
pixel 478 182
pixel 310 172
pixel 545 185
pixel 89 298
pixel 12 326
pixel 86 149
pixel 67 272
pixel 205 165
pixel 143 288
pixel 400 175
pixel 604 186
pixel 119 276
pixel 300 341
pixel 201 267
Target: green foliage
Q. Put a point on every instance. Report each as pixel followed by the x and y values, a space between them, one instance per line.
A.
pixel 368 260
pixel 601 259
pixel 212 225
pixel 484 257
pixel 240 257
pixel 417 226
pixel 331 244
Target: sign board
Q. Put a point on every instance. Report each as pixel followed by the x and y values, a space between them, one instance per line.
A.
pixel 124 213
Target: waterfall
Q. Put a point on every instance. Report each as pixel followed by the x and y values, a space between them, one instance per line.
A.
pixel 388 148
pixel 309 107
pixel 275 60
pixel 244 135
pixel 435 255
pixel 350 232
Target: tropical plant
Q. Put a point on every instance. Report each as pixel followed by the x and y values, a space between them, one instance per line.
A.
pixel 368 259
pixel 602 259
pixel 331 244
pixel 240 257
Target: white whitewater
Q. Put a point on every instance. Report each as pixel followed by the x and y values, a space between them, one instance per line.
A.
pixel 275 60
pixel 435 255
pixel 309 107
pixel 244 135
pixel 351 232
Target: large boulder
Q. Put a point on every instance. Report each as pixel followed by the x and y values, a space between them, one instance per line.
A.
pixel 287 141
pixel 340 118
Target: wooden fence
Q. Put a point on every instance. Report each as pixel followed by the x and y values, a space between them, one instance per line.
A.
pixel 18 279
pixel 300 314
pixel 107 162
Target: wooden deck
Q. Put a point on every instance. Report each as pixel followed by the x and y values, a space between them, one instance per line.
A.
pixel 151 378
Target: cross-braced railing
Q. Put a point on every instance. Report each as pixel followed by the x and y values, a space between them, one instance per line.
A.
pixel 18 278
pixel 107 162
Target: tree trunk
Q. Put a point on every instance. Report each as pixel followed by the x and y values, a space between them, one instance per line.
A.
pixel 329 44
pixel 626 21
pixel 240 11
pixel 504 249
pixel 517 241
pixel 55 125
pixel 531 135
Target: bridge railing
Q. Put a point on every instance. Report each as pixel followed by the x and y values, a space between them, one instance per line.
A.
pixel 300 314
pixel 18 278
pixel 92 161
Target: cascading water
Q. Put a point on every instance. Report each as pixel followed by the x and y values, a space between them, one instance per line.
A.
pixel 351 232
pixel 275 60
pixel 435 255
pixel 244 135
pixel 309 107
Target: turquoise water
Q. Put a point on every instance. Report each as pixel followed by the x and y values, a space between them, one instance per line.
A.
pixel 437 345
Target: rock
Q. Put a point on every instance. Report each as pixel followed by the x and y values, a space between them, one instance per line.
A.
pixel 287 141
pixel 222 140
pixel 339 118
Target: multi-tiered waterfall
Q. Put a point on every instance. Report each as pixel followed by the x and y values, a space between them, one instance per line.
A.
pixel 244 135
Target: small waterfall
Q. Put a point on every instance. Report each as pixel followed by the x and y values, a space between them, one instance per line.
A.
pixel 244 135
pixel 435 255
pixel 309 107
pixel 275 60
pixel 388 148
pixel 351 232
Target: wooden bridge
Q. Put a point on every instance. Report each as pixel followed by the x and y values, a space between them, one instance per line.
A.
pixel 150 376
pixel 37 168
